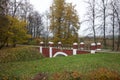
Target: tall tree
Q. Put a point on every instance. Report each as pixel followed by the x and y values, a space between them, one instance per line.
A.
pixel 4 27
pixel 35 24
pixel 93 25
pixel 91 15
pixel 56 18
pixel 4 22
pixel 104 2
pixel 71 23
pixel 113 24
pixel 64 21
pixel 113 31
pixel 17 31
pixel 117 12
pixel 47 32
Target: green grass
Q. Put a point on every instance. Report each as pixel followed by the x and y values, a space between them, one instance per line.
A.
pixel 80 63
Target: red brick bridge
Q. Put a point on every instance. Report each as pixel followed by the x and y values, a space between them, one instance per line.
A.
pixel 53 51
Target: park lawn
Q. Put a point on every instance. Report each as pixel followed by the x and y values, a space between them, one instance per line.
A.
pixel 81 63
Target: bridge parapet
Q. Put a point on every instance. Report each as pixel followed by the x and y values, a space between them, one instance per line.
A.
pixel 53 51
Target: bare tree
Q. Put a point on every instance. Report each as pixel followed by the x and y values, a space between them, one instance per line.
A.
pixel 113 31
pixel 93 10
pixel 92 16
pixel 112 14
pixel 104 2
pixel 25 9
pixel 3 7
pixel 117 12
pixel 14 7
pixel 47 26
pixel 35 24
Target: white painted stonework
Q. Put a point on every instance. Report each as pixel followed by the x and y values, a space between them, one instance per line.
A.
pixel 41 42
pixel 50 42
pixel 59 43
pixel 75 43
pixel 82 43
pixel 41 49
pixel 60 53
pixel 74 51
pixel 98 43
pixel 93 44
pixel 50 52
pixel 99 49
pixel 93 51
pixel 82 48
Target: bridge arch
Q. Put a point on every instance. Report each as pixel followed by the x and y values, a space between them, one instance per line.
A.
pixel 60 53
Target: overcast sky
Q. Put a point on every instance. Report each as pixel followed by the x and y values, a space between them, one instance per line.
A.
pixel 42 5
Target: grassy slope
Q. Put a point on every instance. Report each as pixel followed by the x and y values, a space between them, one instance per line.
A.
pixel 80 63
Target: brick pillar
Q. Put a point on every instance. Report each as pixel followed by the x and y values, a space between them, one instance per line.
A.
pixel 59 45
pixel 98 46
pixel 82 45
pixel 50 49
pixel 41 46
pixel 93 48
pixel 75 47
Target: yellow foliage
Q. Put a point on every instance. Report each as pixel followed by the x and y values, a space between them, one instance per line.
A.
pixel 13 30
pixel 64 21
pixel 18 30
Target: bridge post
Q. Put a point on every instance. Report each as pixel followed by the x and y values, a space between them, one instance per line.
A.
pixel 93 48
pixel 82 45
pixel 98 46
pixel 41 46
pixel 50 49
pixel 75 47
pixel 59 45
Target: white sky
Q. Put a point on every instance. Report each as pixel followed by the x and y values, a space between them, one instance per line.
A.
pixel 43 5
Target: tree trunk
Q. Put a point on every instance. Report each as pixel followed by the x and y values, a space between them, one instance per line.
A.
pixel 14 43
pixel 113 44
pixel 3 44
pixel 94 21
pixel 118 44
pixel 104 19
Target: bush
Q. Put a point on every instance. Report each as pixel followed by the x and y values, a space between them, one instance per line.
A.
pixel 7 77
pixel 31 42
pixel 103 74
pixel 99 74
pixel 19 54
pixel 67 76
pixel 35 41
pixel 14 77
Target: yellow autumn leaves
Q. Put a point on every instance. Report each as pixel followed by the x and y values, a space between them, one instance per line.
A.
pixel 12 30
pixel 64 22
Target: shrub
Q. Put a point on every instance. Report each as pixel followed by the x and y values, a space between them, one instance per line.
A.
pixel 103 74
pixel 32 42
pixel 35 41
pixel 67 76
pixel 14 77
pixel 19 54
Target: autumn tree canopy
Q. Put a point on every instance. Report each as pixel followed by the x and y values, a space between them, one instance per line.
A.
pixel 64 21
pixel 14 22
pixel 12 30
